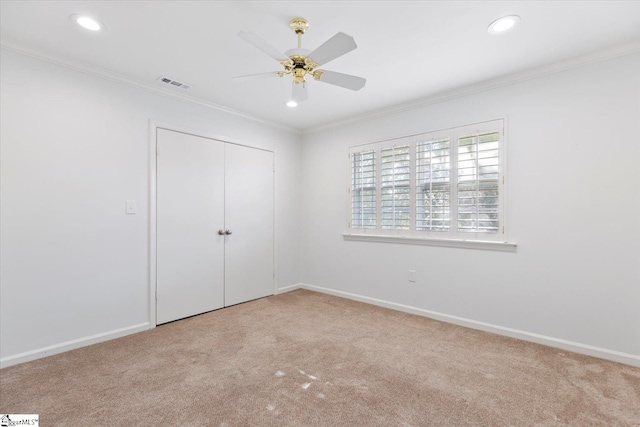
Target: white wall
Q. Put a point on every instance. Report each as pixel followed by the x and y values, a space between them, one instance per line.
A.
pixel 74 148
pixel 573 209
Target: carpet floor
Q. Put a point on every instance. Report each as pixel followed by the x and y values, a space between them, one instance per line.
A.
pixel 305 358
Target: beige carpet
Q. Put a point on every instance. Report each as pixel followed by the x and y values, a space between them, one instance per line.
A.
pixel 305 358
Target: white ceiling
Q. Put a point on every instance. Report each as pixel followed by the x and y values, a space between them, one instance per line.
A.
pixel 407 50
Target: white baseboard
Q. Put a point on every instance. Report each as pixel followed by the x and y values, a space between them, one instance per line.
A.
pixel 289 288
pixel 589 350
pixel 71 345
pixel 603 353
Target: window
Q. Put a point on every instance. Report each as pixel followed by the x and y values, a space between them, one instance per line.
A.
pixel 433 169
pixel 363 189
pixel 395 187
pixel 439 185
pixel 478 177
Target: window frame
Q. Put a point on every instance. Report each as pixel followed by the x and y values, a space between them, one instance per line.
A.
pixel 440 238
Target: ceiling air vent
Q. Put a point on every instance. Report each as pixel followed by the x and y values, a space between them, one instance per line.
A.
pixel 175 83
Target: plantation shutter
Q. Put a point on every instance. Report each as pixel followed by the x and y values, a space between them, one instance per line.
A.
pixel 447 184
pixel 478 186
pixel 395 164
pixel 433 164
pixel 363 188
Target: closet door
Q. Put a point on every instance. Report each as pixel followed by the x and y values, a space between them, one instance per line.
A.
pixel 249 217
pixel 190 211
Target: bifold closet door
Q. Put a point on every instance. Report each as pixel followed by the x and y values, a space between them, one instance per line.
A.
pixel 249 251
pixel 190 211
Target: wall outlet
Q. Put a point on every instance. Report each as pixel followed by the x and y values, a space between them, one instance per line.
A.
pixel 412 276
pixel 131 208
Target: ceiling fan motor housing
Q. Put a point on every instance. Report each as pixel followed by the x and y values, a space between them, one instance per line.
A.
pixel 299 65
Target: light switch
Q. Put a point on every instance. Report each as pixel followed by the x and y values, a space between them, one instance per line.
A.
pixel 412 276
pixel 131 207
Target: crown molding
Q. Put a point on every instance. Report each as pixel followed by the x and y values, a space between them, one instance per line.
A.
pixel 557 67
pixel 134 83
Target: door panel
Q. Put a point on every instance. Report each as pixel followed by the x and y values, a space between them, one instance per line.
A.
pixel 249 216
pixel 190 211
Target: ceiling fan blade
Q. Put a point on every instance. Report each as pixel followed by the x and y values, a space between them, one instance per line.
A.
pixel 263 45
pixel 300 92
pixel 257 76
pixel 343 80
pixel 333 48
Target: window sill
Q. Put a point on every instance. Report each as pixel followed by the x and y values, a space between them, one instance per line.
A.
pixel 450 243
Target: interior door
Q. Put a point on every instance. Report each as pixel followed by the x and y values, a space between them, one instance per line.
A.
pixel 190 211
pixel 249 217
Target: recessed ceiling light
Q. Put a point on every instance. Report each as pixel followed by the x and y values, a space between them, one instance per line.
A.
pixel 87 22
pixel 503 24
pixel 291 103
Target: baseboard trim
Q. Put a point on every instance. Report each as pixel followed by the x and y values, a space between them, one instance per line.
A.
pixel 71 345
pixel 589 350
pixel 289 288
pixel 602 353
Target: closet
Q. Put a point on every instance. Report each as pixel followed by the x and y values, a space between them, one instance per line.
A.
pixel 214 224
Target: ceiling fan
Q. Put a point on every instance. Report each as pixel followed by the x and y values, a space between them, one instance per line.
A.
pixel 302 63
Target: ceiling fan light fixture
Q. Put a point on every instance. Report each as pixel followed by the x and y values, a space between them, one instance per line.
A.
pixel 504 24
pixel 87 22
pixel 291 103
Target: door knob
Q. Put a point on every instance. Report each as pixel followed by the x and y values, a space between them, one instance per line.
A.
pixel 221 232
pixel 227 232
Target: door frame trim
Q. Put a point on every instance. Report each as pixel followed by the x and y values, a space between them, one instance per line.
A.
pixel 154 125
